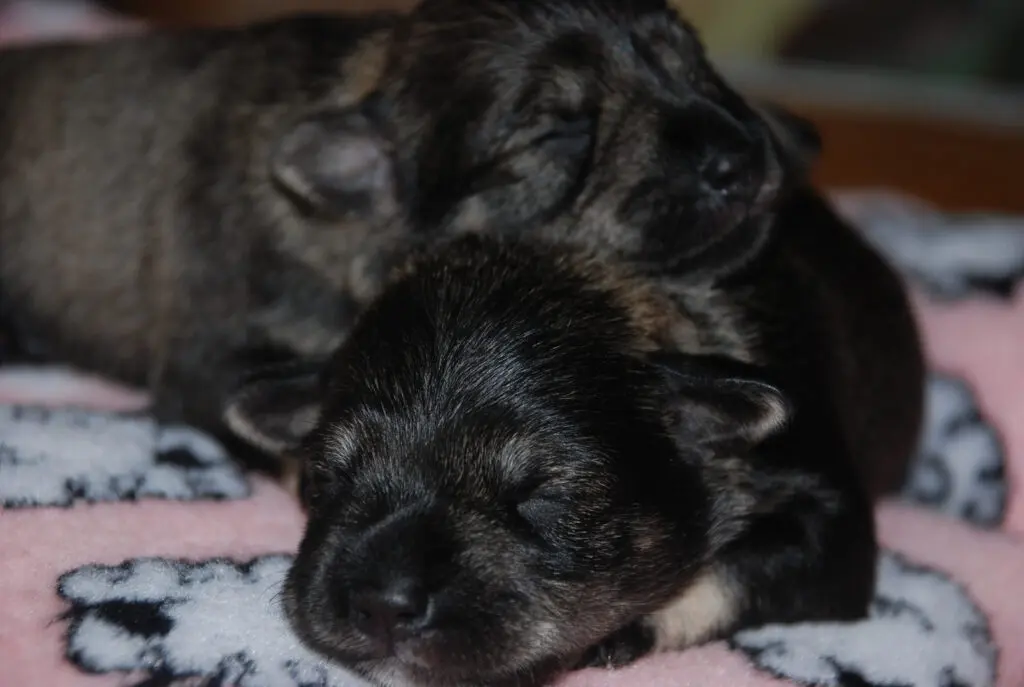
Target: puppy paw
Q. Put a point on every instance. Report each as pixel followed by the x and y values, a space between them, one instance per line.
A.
pixel 621 648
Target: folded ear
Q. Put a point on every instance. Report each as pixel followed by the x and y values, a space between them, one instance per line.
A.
pixel 276 407
pixel 337 162
pixel 717 401
pixel 797 138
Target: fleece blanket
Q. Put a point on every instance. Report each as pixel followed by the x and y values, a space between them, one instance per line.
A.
pixel 138 554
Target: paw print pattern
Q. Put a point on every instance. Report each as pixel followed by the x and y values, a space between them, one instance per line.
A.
pixel 55 457
pixel 959 469
pixel 941 638
pixel 952 256
pixel 218 622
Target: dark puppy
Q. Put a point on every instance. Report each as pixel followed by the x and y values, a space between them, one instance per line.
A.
pixel 141 232
pixel 177 206
pixel 528 460
pixel 601 122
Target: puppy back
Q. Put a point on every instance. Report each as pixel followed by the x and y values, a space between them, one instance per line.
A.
pixel 134 189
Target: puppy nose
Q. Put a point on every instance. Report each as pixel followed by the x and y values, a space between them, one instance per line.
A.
pixel 395 612
pixel 727 156
pixel 727 174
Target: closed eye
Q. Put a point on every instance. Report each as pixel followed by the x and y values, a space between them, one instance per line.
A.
pixel 563 138
pixel 564 129
pixel 540 511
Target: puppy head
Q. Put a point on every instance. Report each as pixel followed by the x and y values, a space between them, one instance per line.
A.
pixel 499 478
pixel 603 120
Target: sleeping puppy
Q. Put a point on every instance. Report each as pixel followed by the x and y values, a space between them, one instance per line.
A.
pixel 524 459
pixel 179 206
pixel 142 235
pixel 597 123
pixel 603 125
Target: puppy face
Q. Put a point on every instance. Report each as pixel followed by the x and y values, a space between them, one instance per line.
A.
pixel 603 122
pixel 499 477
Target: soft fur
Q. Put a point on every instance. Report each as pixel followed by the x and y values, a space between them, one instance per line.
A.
pixel 142 233
pixel 179 206
pixel 600 123
pixel 515 468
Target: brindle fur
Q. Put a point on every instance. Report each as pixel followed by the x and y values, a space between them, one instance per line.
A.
pixel 673 495
pixel 179 206
pixel 599 124
pixel 593 122
pixel 142 233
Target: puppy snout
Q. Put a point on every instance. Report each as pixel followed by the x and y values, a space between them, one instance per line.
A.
pixel 730 162
pixel 397 611
pixel 730 174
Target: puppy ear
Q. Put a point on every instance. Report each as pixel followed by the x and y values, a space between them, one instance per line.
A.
pixel 717 401
pixel 796 138
pixel 336 161
pixel 276 407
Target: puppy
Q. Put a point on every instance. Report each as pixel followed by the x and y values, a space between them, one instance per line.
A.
pixel 179 206
pixel 598 123
pixel 603 125
pixel 142 234
pixel 525 459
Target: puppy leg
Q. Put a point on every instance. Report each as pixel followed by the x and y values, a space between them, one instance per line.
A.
pixel 811 558
pixel 707 605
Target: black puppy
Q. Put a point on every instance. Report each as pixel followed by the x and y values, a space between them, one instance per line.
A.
pixel 528 460
pixel 176 206
pixel 585 121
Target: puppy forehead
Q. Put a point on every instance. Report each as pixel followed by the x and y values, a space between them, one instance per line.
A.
pixel 502 39
pixel 527 459
pixel 657 46
pixel 478 454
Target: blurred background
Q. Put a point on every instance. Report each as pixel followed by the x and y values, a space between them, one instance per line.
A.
pixel 922 96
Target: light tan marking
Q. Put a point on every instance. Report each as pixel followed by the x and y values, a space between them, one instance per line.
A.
pixel 706 607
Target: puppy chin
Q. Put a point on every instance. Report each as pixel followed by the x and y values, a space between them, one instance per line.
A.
pixel 396 673
pixel 426 661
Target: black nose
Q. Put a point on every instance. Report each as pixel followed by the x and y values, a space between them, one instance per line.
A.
pixel 728 156
pixel 397 611
pixel 728 174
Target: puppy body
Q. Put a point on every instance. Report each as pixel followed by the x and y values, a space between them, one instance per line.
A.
pixel 178 206
pixel 828 317
pixel 141 232
pixel 515 471
pixel 794 389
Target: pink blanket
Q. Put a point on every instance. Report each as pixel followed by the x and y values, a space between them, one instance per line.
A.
pixel 138 554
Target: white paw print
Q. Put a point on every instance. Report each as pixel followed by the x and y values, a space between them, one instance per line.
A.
pixel 55 457
pixel 923 631
pixel 959 469
pixel 215 620
pixel 951 255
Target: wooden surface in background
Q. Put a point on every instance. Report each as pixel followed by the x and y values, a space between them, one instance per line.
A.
pixel 958 166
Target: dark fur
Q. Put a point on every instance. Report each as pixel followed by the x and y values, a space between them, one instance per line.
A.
pixel 653 497
pixel 177 206
pixel 595 122
pixel 141 232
